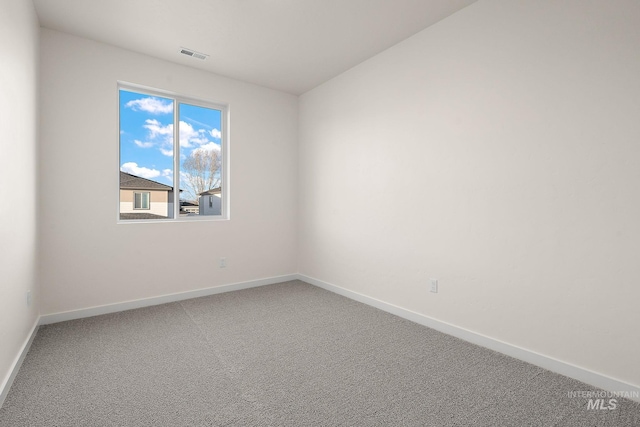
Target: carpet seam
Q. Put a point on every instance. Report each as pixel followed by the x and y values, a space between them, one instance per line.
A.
pixel 237 382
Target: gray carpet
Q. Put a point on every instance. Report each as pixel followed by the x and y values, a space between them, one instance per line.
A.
pixel 288 354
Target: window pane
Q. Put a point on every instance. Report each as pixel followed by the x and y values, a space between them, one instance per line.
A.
pixel 146 156
pixel 200 160
pixel 141 200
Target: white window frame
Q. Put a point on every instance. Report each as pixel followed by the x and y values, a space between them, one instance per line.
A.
pixel 224 150
pixel 148 193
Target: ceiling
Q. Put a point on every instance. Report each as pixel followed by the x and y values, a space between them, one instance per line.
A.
pixel 289 45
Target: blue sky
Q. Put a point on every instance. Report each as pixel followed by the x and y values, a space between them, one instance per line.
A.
pixel 146 134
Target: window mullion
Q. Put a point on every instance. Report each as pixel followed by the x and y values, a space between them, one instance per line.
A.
pixel 176 159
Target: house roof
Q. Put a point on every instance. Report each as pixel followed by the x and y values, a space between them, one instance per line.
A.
pixel 212 191
pixel 132 182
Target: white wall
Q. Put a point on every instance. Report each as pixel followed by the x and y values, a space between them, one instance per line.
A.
pixel 497 151
pixel 18 193
pixel 88 259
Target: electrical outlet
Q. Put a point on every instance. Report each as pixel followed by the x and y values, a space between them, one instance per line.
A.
pixel 28 298
pixel 223 262
pixel 434 285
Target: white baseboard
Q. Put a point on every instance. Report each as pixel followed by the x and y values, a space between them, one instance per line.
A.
pixel 17 363
pixel 563 368
pixel 163 299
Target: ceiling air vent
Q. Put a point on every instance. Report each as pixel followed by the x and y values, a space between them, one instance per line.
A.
pixel 193 53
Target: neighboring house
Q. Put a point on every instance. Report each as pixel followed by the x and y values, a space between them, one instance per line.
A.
pixel 210 202
pixel 188 208
pixel 141 198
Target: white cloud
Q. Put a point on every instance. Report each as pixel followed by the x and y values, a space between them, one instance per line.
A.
pixel 143 144
pixel 216 133
pixel 161 134
pixel 134 169
pixel 168 174
pixel 151 105
pixel 190 136
pixel 212 146
pixel 187 134
pixel 191 120
pixel 156 129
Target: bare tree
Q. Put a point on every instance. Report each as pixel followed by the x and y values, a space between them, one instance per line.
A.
pixel 200 173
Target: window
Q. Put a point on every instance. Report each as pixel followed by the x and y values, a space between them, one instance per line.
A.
pixel 173 157
pixel 141 200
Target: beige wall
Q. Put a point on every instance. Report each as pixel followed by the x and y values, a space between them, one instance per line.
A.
pixel 154 196
pixel 504 142
pixel 18 163
pixel 85 257
pixel 158 202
